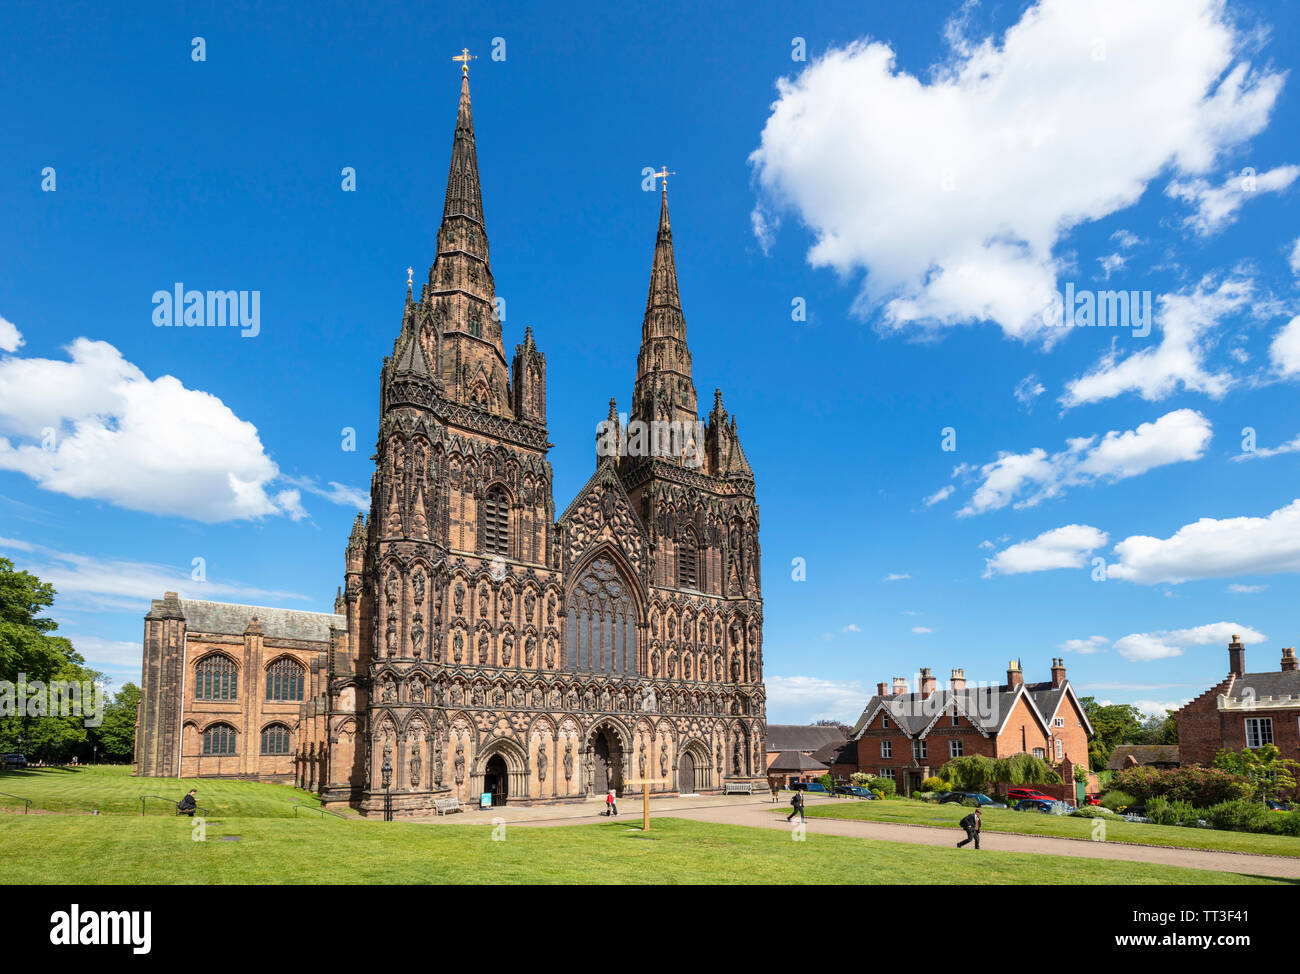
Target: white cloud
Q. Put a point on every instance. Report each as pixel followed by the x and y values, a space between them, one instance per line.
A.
pixel 1237 589
pixel 1141 647
pixel 897 576
pixel 10 338
pixel 921 630
pixel 803 699
pixel 1064 547
pixel 1027 479
pixel 1212 548
pixel 1093 644
pixel 952 192
pixel 1110 263
pixel 1263 453
pixel 1294 259
pixel 1028 389
pixel 1188 324
pixel 1214 207
pixel 1285 349
pixel 1158 708
pixel 851 627
pixel 1126 239
pixel 942 494
pixel 99 652
pixel 336 493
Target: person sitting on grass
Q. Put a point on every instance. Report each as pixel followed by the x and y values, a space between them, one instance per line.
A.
pixel 188 804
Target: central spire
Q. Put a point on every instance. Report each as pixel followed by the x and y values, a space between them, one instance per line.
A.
pixel 464 196
pixel 664 388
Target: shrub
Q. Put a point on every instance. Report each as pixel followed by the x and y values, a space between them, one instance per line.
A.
pixel 883 787
pixel 1117 800
pixel 934 784
pixel 1080 772
pixel 974 772
pixel 1201 787
pixel 1024 769
pixel 1240 815
pixel 1162 811
pixel 1093 811
pixel 861 779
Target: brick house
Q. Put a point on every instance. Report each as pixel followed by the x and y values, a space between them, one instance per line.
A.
pixel 908 736
pixel 1243 710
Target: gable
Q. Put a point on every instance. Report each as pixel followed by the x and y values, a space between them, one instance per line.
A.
pixel 602 514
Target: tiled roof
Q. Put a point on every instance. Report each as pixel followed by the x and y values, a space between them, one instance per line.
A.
pixel 800 737
pixel 795 761
pixel 836 752
pixel 229 618
pixel 1143 754
pixel 1279 683
pixel 912 712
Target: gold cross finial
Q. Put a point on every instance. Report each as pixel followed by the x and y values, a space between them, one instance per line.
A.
pixel 464 57
pixel 410 273
pixel 663 173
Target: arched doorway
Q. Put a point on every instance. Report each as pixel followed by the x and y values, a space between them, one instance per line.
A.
pixel 606 762
pixel 496 779
pixel 686 773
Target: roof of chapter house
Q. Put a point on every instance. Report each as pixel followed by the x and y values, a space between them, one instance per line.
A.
pixel 230 618
pixel 800 737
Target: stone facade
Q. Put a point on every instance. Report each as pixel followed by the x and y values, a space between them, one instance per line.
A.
pixel 484 645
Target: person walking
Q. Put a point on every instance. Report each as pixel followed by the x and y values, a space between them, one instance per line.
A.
pixel 775 785
pixel 971 823
pixel 188 804
pixel 611 803
pixel 796 806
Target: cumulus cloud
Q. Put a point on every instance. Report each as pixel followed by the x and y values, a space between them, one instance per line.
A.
pixel 1214 207
pixel 1029 389
pixel 96 427
pixel 1093 644
pixel 1213 548
pixel 803 699
pixel 10 338
pixel 1141 647
pixel 897 576
pixel 1188 324
pixel 1285 348
pixel 1263 453
pixel 1238 589
pixel 952 192
pixel 942 494
pixel 1027 479
pixel 1064 547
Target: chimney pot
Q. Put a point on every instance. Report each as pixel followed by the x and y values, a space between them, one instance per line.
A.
pixel 882 689
pixel 1289 659
pixel 1236 656
pixel 1058 673
pixel 1014 675
pixel 958 682
pixel 928 683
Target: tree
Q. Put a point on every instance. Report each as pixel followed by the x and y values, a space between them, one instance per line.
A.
pixel 1112 725
pixel 1159 729
pixel 1268 771
pixel 1024 769
pixel 116 736
pixel 974 772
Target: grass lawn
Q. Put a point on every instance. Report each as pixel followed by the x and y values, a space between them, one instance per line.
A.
pixel 113 791
pixel 908 812
pixel 78 849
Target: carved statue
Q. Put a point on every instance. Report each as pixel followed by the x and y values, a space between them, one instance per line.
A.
pixel 460 763
pixel 418 584
pixel 507 650
pixel 460 598
pixel 507 602
pixel 390 588
pixel 483 602
pixel 568 763
pixel 541 762
pixel 417 638
pixel 530 602
pixel 458 645
pixel 390 639
pixel 550 609
pixel 482 648
pixel 663 757
pixel 550 654
pixel 530 651
pixel 415 766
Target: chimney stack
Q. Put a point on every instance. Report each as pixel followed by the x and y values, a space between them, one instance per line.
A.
pixel 1014 676
pixel 900 685
pixel 1288 659
pixel 882 689
pixel 1236 656
pixel 928 682
pixel 1058 673
pixel 958 683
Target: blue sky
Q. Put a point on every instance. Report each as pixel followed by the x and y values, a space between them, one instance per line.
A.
pixel 920 184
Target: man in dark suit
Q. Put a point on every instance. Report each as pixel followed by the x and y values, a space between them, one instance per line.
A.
pixel 971 823
pixel 796 804
pixel 188 804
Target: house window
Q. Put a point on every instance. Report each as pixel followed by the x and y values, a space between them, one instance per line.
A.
pixel 1259 731
pixel 496 523
pixel 1060 749
pixel 886 749
pixel 887 773
pixel 955 720
pixel 219 739
pixel 216 678
pixel 918 749
pixel 956 747
pixel 1039 753
pixel 275 739
pixel 284 680
pixel 884 722
pixel 1058 722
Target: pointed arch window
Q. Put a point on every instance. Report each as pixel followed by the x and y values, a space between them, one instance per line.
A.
pixel 219 739
pixel 216 678
pixel 284 680
pixel 495 530
pixel 275 739
pixel 601 625
pixel 688 554
pixel 476 327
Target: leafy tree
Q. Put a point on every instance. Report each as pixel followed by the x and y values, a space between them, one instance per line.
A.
pixel 1159 729
pixel 1112 725
pixel 1269 772
pixel 974 772
pixel 116 736
pixel 1024 769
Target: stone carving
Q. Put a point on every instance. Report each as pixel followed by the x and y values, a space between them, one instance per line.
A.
pixel 482 648
pixel 568 764
pixel 460 764
pixel 663 757
pixel 507 650
pixel 458 645
pixel 483 602
pixel 530 602
pixel 507 602
pixel 530 651
pixel 460 599
pixel 541 762
pixel 415 766
pixel 417 583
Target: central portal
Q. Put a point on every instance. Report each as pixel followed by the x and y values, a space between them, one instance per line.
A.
pixel 607 763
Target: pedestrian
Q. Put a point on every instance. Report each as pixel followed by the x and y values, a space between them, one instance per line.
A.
pixel 971 823
pixel 776 788
pixel 188 804
pixel 796 806
pixel 611 803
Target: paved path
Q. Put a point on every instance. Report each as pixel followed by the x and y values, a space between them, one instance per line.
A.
pixel 759 812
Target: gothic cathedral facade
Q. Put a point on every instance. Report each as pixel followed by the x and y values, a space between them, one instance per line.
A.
pixel 479 643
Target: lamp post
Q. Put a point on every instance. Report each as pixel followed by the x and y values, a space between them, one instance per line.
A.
pixel 387 772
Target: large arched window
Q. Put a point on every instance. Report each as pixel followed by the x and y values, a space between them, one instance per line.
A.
pixel 275 739
pixel 688 560
pixel 216 678
pixel 219 739
pixel 601 625
pixel 495 532
pixel 284 679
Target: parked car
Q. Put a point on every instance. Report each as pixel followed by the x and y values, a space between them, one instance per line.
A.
pixel 15 761
pixel 855 791
pixel 1033 805
pixel 815 786
pixel 957 797
pixel 1091 800
pixel 1276 806
pixel 1032 794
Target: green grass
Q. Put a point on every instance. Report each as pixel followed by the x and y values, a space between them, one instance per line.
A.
pixel 909 812
pixel 75 849
pixel 113 791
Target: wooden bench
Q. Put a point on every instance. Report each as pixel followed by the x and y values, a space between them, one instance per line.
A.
pixel 444 805
pixel 739 788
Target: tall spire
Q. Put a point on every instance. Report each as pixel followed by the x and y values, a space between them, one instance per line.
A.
pixel 664 388
pixel 464 197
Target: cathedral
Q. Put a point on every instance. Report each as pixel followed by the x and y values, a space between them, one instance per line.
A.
pixel 481 645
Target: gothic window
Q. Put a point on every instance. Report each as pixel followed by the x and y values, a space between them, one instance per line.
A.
pixel 284 680
pixel 687 561
pixel 601 625
pixel 219 739
pixel 496 523
pixel 275 739
pixel 476 327
pixel 216 678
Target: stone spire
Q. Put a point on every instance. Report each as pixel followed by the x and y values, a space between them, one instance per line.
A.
pixel 664 388
pixel 464 196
